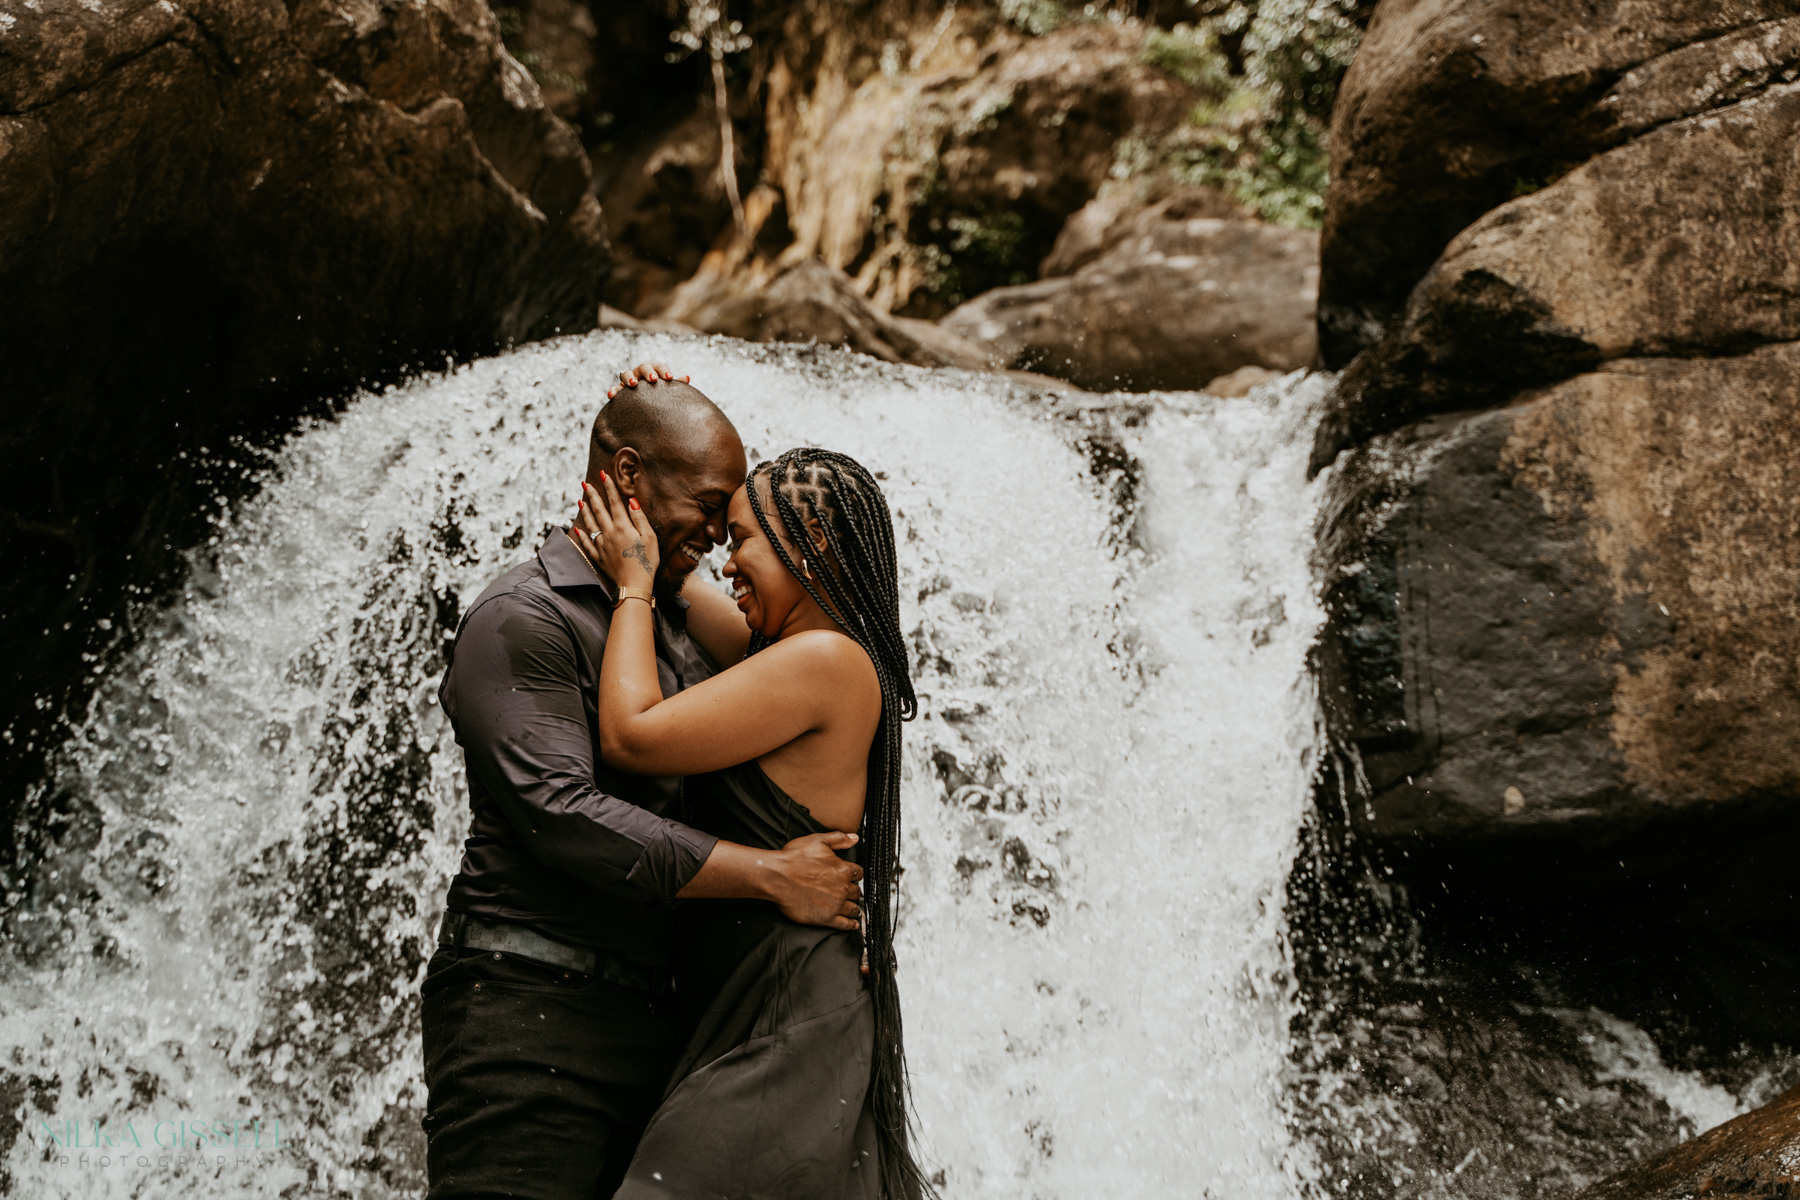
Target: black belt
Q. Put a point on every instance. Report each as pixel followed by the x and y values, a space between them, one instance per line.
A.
pixel 460 929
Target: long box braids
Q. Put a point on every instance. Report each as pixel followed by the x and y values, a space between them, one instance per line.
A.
pixel 856 581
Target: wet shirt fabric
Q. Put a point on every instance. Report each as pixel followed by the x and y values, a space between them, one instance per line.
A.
pixel 559 841
pixel 770 1098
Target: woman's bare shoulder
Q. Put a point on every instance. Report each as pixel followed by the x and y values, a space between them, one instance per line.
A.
pixel 821 652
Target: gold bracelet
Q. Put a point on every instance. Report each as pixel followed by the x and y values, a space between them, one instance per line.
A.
pixel 626 593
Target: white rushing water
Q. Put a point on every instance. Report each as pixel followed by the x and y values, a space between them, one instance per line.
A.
pixel 1111 606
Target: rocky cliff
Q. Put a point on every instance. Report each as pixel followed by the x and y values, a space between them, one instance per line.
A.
pixel 218 214
pixel 1453 108
pixel 931 155
pixel 1561 549
pixel 1566 546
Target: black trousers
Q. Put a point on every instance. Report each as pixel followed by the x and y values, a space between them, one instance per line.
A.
pixel 540 1080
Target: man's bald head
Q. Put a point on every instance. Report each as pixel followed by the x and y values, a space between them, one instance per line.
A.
pixel 667 445
pixel 668 422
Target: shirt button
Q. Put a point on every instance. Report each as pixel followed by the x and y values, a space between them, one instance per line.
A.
pixel 496 957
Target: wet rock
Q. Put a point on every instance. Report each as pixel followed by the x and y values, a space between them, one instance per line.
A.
pixel 1679 242
pixel 217 215
pixel 811 302
pixel 1241 382
pixel 1167 303
pixel 1758 1154
pixel 1577 611
pixel 612 318
pixel 1450 109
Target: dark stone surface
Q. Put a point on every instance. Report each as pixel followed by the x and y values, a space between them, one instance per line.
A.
pixel 1758 1155
pixel 1552 855
pixel 1494 1016
pixel 1681 242
pixel 1464 628
pixel 214 218
pixel 1588 597
pixel 1453 107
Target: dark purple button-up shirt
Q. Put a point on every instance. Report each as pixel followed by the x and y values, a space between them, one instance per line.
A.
pixel 559 840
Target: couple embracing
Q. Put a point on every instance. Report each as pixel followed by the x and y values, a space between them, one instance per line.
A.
pixel 657 975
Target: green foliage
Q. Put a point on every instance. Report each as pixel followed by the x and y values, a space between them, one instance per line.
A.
pixel 1279 172
pixel 1296 51
pixel 512 33
pixel 1036 17
pixel 1191 54
pixel 1260 131
pixel 965 255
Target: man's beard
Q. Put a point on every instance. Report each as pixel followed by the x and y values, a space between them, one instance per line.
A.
pixel 664 584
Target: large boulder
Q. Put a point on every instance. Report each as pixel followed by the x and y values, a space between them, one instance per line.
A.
pixel 1452 107
pixel 1162 301
pixel 1679 242
pixel 1578 611
pixel 217 215
pixel 1119 214
pixel 1757 1154
pixel 344 181
pixel 1563 534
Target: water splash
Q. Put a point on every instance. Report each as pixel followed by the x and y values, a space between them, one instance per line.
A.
pixel 252 828
pixel 1624 1053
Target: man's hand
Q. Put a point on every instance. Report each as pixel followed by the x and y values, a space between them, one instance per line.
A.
pixel 805 879
pixel 813 886
pixel 642 373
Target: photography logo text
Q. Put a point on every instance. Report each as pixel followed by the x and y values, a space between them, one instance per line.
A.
pixel 168 1142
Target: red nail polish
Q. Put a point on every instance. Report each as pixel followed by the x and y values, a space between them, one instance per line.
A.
pixel 634 502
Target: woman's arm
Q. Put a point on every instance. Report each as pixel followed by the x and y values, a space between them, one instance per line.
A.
pixel 761 704
pixel 743 713
pixel 713 620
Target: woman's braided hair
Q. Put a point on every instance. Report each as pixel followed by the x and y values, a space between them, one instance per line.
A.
pixel 855 580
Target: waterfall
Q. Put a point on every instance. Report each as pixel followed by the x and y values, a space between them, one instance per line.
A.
pixel 212 983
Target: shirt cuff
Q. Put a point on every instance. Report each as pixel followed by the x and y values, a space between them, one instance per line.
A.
pixel 671 861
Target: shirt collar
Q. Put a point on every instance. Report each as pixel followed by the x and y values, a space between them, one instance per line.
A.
pixel 565 566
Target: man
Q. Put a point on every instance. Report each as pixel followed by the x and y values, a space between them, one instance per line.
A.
pixel 548 1027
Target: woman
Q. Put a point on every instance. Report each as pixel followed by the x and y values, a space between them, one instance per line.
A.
pixel 793 1083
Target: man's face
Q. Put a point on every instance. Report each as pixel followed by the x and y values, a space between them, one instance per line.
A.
pixel 686 502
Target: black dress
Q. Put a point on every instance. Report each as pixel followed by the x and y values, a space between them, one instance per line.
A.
pixel 771 1097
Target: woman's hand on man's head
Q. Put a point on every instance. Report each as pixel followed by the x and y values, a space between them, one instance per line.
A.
pixel 643 373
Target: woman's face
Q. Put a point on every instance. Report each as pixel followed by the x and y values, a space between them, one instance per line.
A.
pixel 765 590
